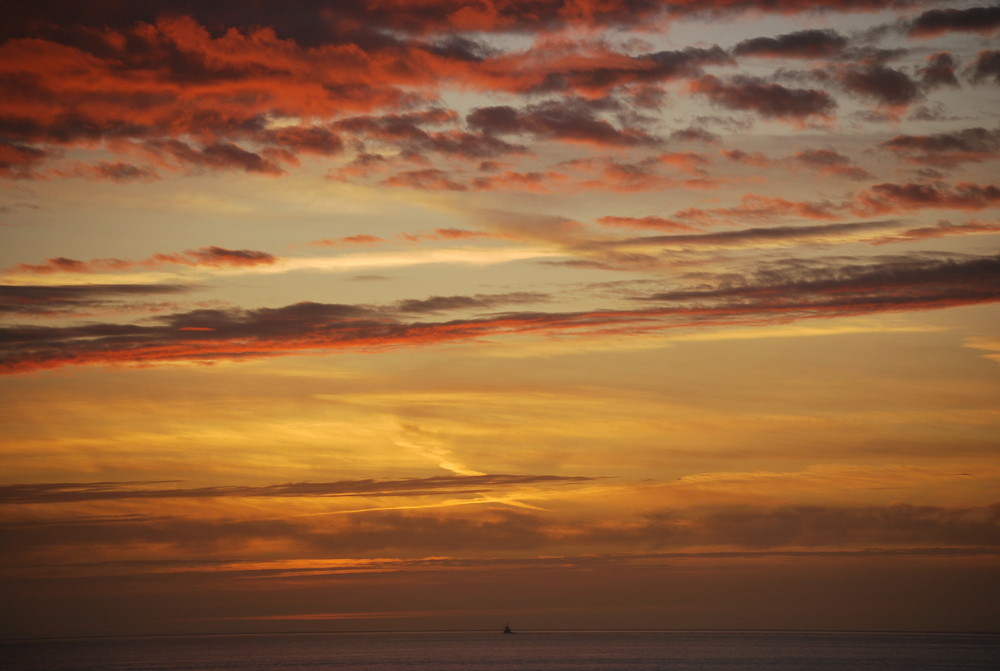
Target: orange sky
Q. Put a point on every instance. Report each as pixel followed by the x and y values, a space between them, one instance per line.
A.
pixel 438 315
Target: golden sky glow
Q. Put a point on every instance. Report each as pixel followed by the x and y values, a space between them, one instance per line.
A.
pixel 399 315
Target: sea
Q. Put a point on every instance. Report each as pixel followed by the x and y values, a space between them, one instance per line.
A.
pixel 523 651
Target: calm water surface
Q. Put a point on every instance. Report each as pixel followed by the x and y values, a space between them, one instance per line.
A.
pixel 560 651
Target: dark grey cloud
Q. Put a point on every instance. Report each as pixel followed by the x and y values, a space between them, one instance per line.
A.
pixel 314 328
pixel 477 302
pixel 986 66
pixel 695 135
pixel 801 44
pixel 573 120
pixel 883 84
pixel 969 20
pixel 948 149
pixel 41 299
pixel 409 132
pixel 651 68
pixel 875 286
pixel 770 100
pixel 939 71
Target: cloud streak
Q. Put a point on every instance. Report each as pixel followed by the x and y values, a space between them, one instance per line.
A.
pixel 71 492
pixel 315 328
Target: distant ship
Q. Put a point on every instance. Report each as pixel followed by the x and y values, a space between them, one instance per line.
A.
pixel 507 629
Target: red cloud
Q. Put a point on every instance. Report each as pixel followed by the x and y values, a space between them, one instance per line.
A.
pixel 886 86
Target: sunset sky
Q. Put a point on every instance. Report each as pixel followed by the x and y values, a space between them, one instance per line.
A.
pixel 427 314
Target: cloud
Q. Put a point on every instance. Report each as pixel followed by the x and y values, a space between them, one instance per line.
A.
pixel 734 531
pixel 757 207
pixel 947 150
pixel 218 155
pixel 830 162
pixel 939 230
pixel 986 66
pixel 939 71
pixel 885 85
pixel 317 140
pixel 655 223
pixel 755 159
pixel 908 283
pixel 211 257
pixel 450 234
pixel 888 198
pixel 801 44
pixel 534 181
pixel 478 301
pixel 427 179
pixel 769 100
pixel 71 492
pixel 752 237
pixel 600 71
pixel 990 345
pixel 44 300
pixel 115 172
pixel 934 22
pixel 572 120
pixel 314 328
pixel 17 160
pixel 819 526
pixel 361 239
pixel 404 133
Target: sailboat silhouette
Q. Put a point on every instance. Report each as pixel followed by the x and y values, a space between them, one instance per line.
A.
pixel 507 629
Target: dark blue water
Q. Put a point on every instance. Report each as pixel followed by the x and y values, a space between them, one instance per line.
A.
pixel 560 651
